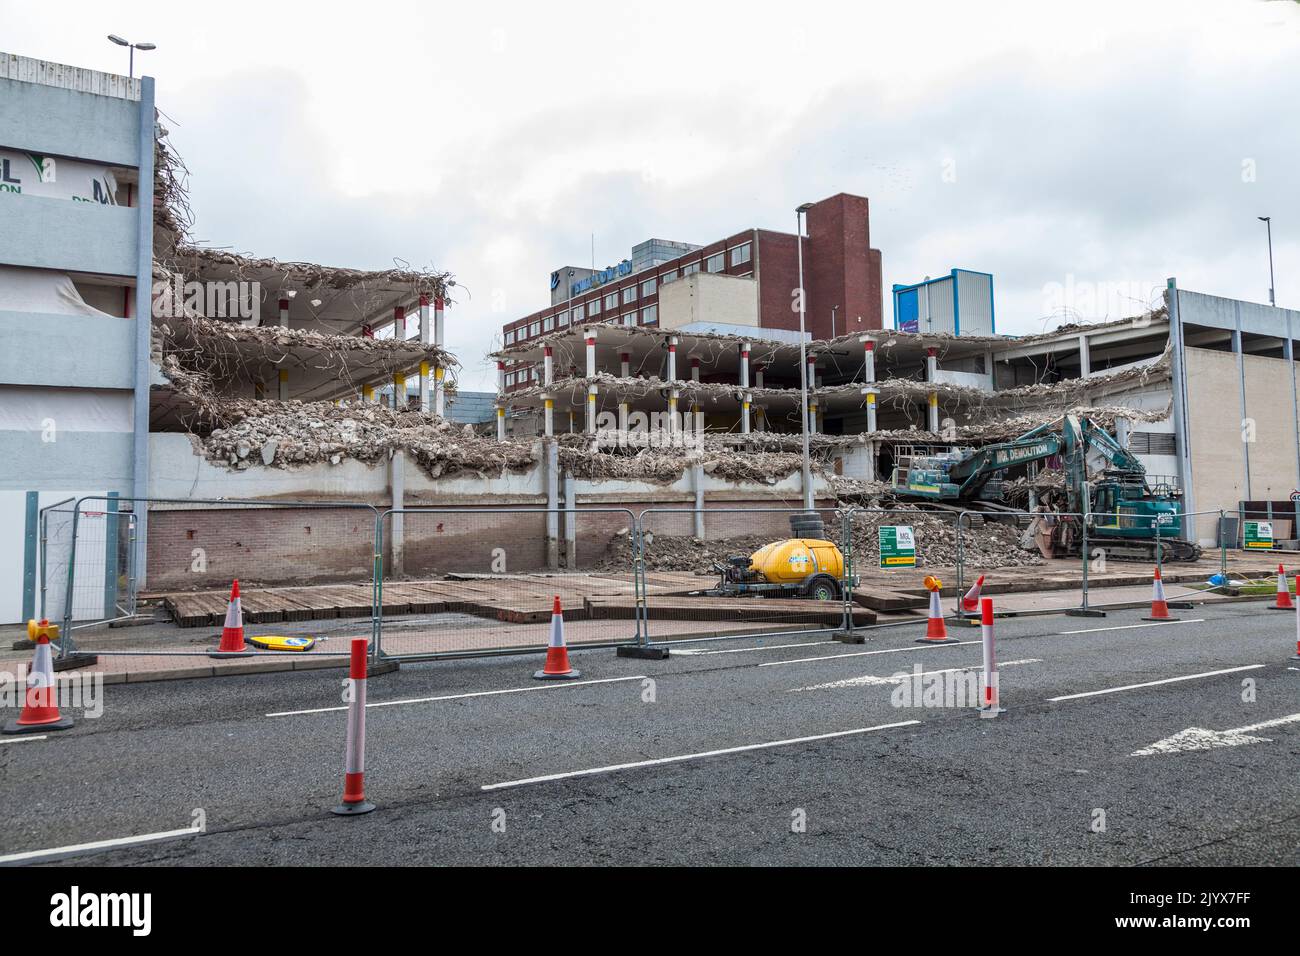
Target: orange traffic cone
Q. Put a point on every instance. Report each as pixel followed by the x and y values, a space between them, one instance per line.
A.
pixel 232 635
pixel 1283 594
pixel 936 632
pixel 557 655
pixel 41 702
pixel 1159 607
pixel 970 604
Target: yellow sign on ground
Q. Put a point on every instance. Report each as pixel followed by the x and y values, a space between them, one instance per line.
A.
pixel 278 642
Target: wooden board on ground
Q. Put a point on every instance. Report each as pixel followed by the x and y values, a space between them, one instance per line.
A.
pixel 881 599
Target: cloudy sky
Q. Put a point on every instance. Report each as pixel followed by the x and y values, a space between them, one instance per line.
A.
pixel 1080 152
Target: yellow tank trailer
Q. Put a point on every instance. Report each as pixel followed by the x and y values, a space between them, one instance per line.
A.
pixel 795 567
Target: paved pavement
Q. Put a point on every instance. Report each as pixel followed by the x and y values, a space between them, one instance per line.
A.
pixel 787 751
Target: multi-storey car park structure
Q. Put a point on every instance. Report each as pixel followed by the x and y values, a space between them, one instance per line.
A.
pixel 145 367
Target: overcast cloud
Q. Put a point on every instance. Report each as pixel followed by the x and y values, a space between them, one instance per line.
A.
pixel 1099 147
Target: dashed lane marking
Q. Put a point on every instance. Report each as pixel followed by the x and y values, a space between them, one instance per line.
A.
pixel 1126 627
pixel 657 761
pixel 1155 683
pixel 478 693
pixel 41 856
pixel 835 657
pixel 871 680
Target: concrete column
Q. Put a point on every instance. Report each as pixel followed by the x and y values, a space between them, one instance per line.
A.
pixel 758 375
pixel 570 524
pixel 284 313
pixel 673 394
pixel 439 393
pixel 591 409
pixel 501 379
pixel 591 353
pixel 399 323
pixel 368 393
pixel 549 414
pixel 571 422
pixel 426 333
pixel 548 366
pixel 399 390
pixel 552 459
pixel 697 483
pixel 760 418
pixel 283 377
pixel 1122 428
pixel 396 524
pixel 1085 357
pixel 695 370
pixel 501 423
pixel 871 394
pixel 812 415
pixel 931 373
pixel 868 359
pixel 744 387
pixel 624 371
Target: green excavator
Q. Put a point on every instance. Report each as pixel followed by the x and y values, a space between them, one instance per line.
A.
pixel 1128 516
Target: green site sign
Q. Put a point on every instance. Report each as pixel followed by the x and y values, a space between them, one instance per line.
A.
pixel 897 546
pixel 1259 534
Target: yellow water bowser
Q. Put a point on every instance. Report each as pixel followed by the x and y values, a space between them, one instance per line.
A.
pixel 793 560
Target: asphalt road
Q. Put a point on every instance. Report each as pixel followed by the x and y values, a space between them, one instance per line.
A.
pixel 455 778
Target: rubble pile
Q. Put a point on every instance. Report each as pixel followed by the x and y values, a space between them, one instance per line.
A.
pixel 985 547
pixel 285 434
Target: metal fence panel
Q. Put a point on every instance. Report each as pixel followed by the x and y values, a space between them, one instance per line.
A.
pixel 698 584
pixel 475 581
pixel 295 561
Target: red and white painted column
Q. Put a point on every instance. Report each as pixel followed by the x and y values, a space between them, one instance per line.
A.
pixel 991 701
pixel 284 312
pixel 439 393
pixel 746 399
pixel 672 379
pixel 591 389
pixel 354 760
pixel 426 333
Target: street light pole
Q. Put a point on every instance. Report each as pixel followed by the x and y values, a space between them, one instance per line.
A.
pixel 803 366
pixel 1268 222
pixel 132 47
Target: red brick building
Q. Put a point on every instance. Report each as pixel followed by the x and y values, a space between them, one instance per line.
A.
pixel 842 281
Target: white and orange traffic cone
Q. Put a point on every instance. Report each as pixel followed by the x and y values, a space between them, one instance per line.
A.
pixel 990 701
pixel 232 635
pixel 557 655
pixel 1159 606
pixel 354 758
pixel 936 632
pixel 1283 602
pixel 970 604
pixel 41 701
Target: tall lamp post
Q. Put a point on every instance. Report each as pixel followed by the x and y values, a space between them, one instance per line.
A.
pixel 1268 223
pixel 803 365
pixel 132 47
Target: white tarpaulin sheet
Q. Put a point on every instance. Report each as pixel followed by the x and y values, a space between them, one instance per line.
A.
pixel 31 174
pixel 41 291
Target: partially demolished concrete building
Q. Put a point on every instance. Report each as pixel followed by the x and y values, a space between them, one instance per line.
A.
pixel 142 366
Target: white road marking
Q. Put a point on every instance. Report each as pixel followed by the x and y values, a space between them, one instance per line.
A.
pixel 1155 683
pixel 1199 738
pixel 1126 627
pixel 835 657
pixel 35 856
pixel 744 650
pixel 695 756
pixel 480 693
pixel 24 740
pixel 871 680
